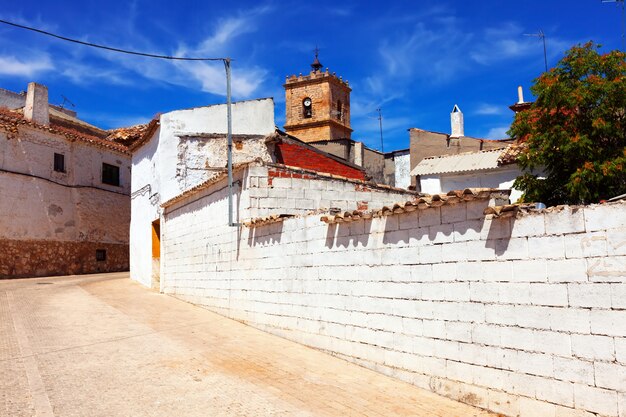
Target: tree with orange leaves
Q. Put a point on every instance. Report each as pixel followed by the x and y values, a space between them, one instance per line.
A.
pixel 575 132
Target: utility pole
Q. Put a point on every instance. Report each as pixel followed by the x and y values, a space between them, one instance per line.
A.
pixel 623 21
pixel 380 123
pixel 229 121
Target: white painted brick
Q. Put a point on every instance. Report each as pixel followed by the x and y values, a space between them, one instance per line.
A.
pixel 467 230
pixel 445 272
pixel 497 271
pixel 501 314
pixel 586 244
pixel 432 291
pixel 596 400
pixel 571 412
pixel 608 322
pixel 610 376
pixel 611 269
pixel 454 252
pixel 492 229
pixel 516 338
pixel 549 294
pixel 532 363
pixel 429 217
pixel 533 317
pixel 573 370
pixel 621 404
pixel 569 320
pixel 552 342
pixel 478 250
pixel 434 328
pixel 475 209
pixel 620 349
pixel 567 270
pixel 469 271
pixel 408 220
pixel 441 233
pixel 484 292
pixel 593 347
pixel 603 217
pixel 421 273
pixel 522 384
pixel 616 241
pixel 515 293
pixel 430 254
pixel 554 391
pixel 533 408
pixel 486 334
pixel 532 224
pixel 461 332
pixel 618 296
pixel 456 291
pixel 453 213
pixel 501 402
pixel 514 248
pixel 535 270
pixel 565 221
pixel 588 295
pixel 546 247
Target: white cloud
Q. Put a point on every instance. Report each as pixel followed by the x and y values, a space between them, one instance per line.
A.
pixel 27 68
pixel 486 109
pixel 498 132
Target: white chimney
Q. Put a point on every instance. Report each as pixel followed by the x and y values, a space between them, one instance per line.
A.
pixel 456 121
pixel 36 107
pixel 520 95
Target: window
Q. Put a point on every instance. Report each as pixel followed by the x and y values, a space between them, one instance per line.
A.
pixel 59 162
pixel 339 110
pixel 101 255
pixel 110 174
pixel 307 108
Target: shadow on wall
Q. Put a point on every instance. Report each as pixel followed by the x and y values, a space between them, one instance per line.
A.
pixel 348 234
pixel 266 235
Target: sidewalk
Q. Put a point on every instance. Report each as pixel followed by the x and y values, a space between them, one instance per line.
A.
pixel 102 345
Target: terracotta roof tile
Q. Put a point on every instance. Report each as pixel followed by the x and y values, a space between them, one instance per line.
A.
pixel 127 135
pixel 419 203
pixel 10 121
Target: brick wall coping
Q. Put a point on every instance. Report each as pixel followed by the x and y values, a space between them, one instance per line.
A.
pixel 420 203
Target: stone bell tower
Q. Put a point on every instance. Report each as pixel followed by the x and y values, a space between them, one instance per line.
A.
pixel 317 105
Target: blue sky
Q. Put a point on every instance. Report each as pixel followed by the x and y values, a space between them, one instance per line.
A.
pixel 414 59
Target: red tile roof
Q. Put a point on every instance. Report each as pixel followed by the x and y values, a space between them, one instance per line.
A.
pixel 10 121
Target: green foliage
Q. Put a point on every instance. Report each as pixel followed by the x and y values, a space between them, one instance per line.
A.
pixel 576 130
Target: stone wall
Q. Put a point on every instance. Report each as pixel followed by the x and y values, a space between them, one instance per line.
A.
pixel 523 316
pixel 30 258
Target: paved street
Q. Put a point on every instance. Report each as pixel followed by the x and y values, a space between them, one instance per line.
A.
pixel 101 345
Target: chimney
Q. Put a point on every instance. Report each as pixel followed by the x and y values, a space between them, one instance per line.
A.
pixel 456 121
pixel 520 95
pixel 36 107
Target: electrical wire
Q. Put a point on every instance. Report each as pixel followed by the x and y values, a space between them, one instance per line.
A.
pixel 109 48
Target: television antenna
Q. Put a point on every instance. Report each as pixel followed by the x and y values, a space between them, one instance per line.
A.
pixel 66 100
pixel 623 21
pixel 542 36
pixel 380 123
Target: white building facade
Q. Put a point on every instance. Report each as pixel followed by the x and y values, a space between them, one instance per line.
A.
pixel 64 196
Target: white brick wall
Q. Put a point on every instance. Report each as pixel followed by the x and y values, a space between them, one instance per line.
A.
pixel 523 316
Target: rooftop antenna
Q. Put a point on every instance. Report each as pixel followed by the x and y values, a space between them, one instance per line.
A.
pixel 623 21
pixel 66 100
pixel 542 36
pixel 380 123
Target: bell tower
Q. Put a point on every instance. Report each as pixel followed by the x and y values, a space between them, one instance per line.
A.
pixel 317 105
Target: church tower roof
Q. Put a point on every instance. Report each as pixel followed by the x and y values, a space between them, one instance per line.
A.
pixel 316 65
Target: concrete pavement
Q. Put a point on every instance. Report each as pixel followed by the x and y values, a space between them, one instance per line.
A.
pixel 102 345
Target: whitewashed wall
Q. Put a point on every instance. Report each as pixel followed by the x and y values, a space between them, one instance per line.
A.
pixel 73 206
pixel 402 165
pixel 171 162
pixel 521 316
